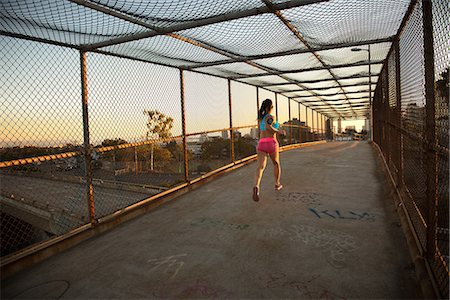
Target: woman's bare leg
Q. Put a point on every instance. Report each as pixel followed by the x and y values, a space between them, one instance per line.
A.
pixel 275 157
pixel 262 160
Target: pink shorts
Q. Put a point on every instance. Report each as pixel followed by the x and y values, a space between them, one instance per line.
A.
pixel 268 145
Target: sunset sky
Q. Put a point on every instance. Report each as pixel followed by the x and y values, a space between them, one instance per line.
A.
pixel 41 97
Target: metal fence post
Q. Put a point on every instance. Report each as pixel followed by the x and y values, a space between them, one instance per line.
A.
pixel 387 124
pixel 321 126
pixel 313 124
pixel 183 127
pixel 290 120
pixel 370 100
pixel 257 110
pixel 87 144
pixel 430 128
pixel 135 160
pixel 398 115
pixel 300 122
pixel 276 116
pixel 276 106
pixel 388 116
pixel 306 124
pixel 382 115
pixel 376 136
pixel 257 102
pixel 317 125
pixel 231 122
pixel 324 121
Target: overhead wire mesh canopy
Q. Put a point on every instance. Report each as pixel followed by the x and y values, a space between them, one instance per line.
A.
pixel 299 48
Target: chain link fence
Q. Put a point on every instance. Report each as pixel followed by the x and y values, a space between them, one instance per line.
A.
pixel 41 142
pixel 410 113
pixel 147 128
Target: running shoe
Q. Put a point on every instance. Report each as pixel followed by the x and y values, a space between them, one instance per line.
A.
pixel 255 193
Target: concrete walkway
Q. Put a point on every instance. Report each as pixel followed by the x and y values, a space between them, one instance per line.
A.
pixel 331 233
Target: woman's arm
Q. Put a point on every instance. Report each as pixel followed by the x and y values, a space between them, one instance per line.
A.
pixel 269 122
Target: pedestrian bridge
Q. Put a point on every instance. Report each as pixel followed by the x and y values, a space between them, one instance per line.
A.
pixel 128 139
pixel 333 232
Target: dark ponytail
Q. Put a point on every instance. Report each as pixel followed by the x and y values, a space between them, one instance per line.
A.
pixel 264 107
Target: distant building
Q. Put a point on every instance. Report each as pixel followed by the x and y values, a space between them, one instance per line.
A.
pixel 441 108
pixel 225 134
pixel 299 132
pixel 414 118
pixel 203 138
pixel 254 133
pixel 350 128
pixel 195 148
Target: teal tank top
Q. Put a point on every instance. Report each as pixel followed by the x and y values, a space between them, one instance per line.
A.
pixel 262 124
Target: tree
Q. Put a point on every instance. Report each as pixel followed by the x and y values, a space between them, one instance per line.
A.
pixel 176 150
pixel 216 148
pixel 115 142
pixel 442 85
pixel 161 156
pixel 115 155
pixel 158 127
pixel 245 146
pixel 17 152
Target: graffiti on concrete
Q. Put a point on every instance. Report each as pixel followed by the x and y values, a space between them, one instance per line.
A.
pixel 211 223
pixel 335 244
pixel 169 265
pixel 300 197
pixel 306 288
pixel 337 214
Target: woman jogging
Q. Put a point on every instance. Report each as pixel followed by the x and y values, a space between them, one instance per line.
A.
pixel 268 144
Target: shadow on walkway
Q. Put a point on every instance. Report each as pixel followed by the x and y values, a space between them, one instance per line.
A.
pixel 331 233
